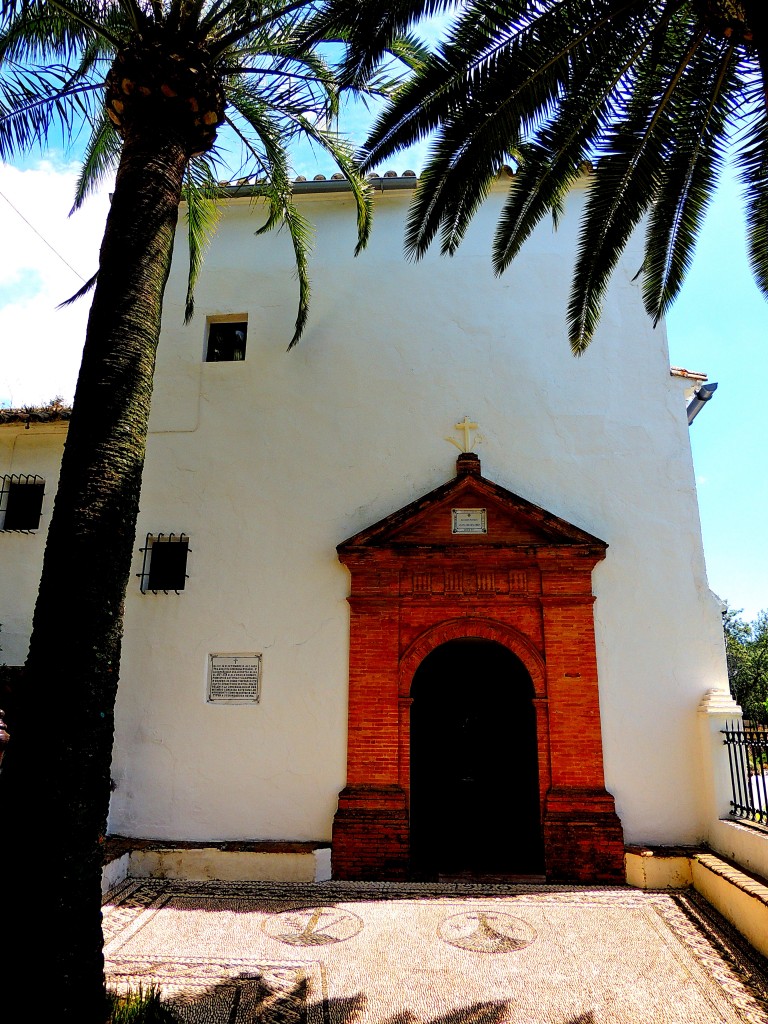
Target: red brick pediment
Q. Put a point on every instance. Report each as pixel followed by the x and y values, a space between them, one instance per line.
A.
pixel 469 511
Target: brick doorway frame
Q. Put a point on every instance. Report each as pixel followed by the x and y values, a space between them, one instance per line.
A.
pixel 510 731
pixel 525 583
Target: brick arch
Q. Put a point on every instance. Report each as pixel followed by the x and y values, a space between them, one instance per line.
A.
pixel 518 576
pixel 475 628
pixel 481 629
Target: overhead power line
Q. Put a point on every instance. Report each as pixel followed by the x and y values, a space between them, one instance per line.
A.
pixel 41 237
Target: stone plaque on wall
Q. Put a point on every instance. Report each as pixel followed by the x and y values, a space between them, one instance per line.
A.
pixel 469 520
pixel 234 678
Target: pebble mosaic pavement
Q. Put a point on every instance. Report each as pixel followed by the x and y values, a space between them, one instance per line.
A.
pixel 389 953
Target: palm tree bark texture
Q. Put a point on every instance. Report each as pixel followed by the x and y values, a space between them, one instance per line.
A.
pixel 60 782
pixel 756 16
pixel 743 21
pixel 175 73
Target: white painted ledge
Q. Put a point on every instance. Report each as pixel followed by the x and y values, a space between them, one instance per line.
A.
pixel 203 864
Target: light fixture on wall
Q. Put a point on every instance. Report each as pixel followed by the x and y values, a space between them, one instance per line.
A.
pixel 700 397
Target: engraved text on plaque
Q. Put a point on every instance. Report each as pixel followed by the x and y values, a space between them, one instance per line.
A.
pixel 469 520
pixel 234 678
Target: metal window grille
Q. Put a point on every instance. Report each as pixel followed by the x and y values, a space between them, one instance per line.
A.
pixel 21 502
pixel 164 569
pixel 748 761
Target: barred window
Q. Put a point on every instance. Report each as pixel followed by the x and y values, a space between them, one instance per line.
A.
pixel 165 563
pixel 21 502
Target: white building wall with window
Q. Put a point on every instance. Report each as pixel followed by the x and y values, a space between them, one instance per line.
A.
pixel 29 447
pixel 266 463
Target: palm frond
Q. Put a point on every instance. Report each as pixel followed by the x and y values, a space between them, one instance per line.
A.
pixel 552 162
pixel 275 188
pixel 689 174
pixel 87 14
pixel 406 48
pixel 95 50
pixel 343 155
pixel 475 138
pixel 650 88
pixel 81 292
pixel 752 161
pixel 525 64
pixel 101 157
pixel 300 231
pixel 274 116
pixel 627 178
pixel 245 21
pixel 281 76
pixel 202 195
pixel 133 14
pixel 369 30
pixel 33 101
pixel 35 33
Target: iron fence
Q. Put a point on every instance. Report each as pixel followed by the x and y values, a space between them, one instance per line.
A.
pixel 748 760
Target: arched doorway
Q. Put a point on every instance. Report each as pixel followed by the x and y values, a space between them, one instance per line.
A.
pixel 474 793
pixel 473 560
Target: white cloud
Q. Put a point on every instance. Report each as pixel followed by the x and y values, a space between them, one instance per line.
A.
pixel 40 345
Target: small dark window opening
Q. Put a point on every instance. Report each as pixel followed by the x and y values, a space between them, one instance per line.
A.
pixel 226 341
pixel 21 499
pixel 165 563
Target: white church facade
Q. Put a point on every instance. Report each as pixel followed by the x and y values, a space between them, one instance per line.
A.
pixel 342 630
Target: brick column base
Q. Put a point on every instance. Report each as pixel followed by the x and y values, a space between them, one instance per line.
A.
pixel 371 834
pixel 583 837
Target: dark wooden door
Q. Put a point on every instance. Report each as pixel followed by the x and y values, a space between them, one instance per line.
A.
pixel 474 765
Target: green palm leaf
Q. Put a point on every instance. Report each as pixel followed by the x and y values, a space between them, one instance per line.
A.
pixel 371 31
pixel 150 83
pixel 275 188
pixel 32 102
pixel 202 195
pixel 689 174
pixel 627 178
pixel 553 161
pixel 653 90
pixel 752 161
pixel 101 158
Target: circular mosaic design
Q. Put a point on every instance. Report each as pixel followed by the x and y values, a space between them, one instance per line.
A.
pixel 312 926
pixel 487 931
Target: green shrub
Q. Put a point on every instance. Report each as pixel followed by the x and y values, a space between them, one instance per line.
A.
pixel 140 1007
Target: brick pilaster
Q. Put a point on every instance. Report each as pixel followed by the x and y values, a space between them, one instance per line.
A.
pixel 370 834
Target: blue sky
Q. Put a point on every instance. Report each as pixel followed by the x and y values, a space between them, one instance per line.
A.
pixel 720 325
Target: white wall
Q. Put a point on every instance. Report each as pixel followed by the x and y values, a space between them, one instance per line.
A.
pixel 269 463
pixel 33 451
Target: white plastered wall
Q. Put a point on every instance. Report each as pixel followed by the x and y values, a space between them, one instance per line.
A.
pixel 34 451
pixel 269 463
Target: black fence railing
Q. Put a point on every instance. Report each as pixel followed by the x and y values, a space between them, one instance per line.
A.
pixel 748 760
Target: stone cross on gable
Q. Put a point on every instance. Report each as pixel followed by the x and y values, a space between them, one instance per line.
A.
pixel 465 427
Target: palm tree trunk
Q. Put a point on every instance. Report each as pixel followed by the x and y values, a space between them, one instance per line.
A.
pixel 57 771
pixel 757 19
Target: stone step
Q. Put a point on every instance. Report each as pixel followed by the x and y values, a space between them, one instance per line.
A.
pixel 741 897
pixel 207 861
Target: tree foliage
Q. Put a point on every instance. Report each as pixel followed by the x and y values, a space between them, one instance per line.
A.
pixel 654 92
pixel 155 85
pixel 233 69
pixel 746 649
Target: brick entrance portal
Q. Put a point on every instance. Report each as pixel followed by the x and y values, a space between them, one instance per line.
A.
pixel 502 570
